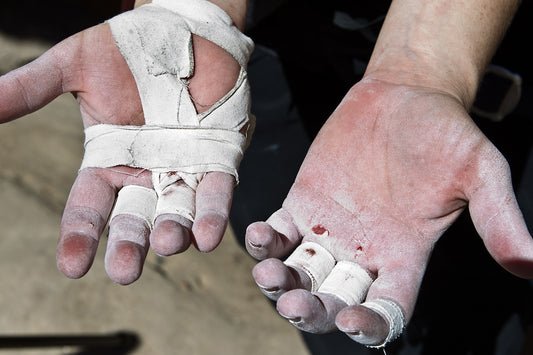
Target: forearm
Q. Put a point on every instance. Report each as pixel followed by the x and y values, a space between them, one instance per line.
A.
pixel 236 9
pixel 445 44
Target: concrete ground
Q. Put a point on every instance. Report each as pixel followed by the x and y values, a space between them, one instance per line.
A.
pixel 188 304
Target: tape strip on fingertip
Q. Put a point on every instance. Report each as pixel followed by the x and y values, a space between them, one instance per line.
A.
pixel 348 281
pixel 393 315
pixel 314 260
pixel 136 201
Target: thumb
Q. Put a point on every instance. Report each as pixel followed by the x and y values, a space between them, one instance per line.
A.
pixel 31 86
pixel 497 216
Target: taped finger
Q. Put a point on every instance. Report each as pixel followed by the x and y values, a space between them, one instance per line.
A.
pixel 126 248
pixel 314 260
pixel 347 281
pixel 392 313
pixel 315 312
pixel 175 211
pixel 176 193
pixel 137 201
pixel 129 230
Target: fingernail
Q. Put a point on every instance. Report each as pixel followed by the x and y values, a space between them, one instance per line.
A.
pixel 295 320
pixel 350 332
pixel 268 289
pixel 271 292
pixel 354 333
pixel 257 246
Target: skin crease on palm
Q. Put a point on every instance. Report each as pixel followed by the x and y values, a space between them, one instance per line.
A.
pixel 90 66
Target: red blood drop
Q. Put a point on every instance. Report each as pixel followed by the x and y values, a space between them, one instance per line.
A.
pixel 318 229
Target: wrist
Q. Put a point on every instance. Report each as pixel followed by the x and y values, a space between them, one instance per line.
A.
pixel 401 66
pixel 441 44
pixel 236 9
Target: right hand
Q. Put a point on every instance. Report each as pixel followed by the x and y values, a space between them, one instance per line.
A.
pixel 90 66
pixel 389 172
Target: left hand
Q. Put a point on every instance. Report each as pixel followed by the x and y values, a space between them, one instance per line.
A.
pixel 389 172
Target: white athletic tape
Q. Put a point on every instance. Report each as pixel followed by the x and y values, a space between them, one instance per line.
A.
pixel 163 149
pixel 393 315
pixel 138 201
pixel 157 45
pixel 314 260
pixel 208 21
pixel 348 281
pixel 156 42
pixel 175 196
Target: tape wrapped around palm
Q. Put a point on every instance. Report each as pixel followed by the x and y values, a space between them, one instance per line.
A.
pixel 165 103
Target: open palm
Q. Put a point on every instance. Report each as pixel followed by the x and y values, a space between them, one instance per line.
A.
pixel 90 66
pixel 389 172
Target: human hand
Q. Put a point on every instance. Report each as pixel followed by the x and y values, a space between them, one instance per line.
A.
pixel 389 172
pixel 90 65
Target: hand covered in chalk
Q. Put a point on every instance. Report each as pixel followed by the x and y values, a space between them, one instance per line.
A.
pixel 389 172
pixel 166 208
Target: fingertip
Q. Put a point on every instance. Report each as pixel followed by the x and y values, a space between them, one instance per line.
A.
pixel 273 278
pixel 362 325
pixel 124 262
pixel 213 202
pixel 261 238
pixel 127 247
pixel 274 238
pixel 313 313
pixel 75 255
pixel 208 230
pixel 171 235
pixel 298 305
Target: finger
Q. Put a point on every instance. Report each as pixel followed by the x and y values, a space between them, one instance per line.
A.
pixel 388 306
pixel 171 234
pixel 30 87
pixel 273 238
pixel 498 219
pixel 84 218
pixel 126 248
pixel 174 212
pixel 313 313
pixel 274 278
pixel 307 267
pixel 213 203
pixel 129 232
pixel 347 284
pixel 363 325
